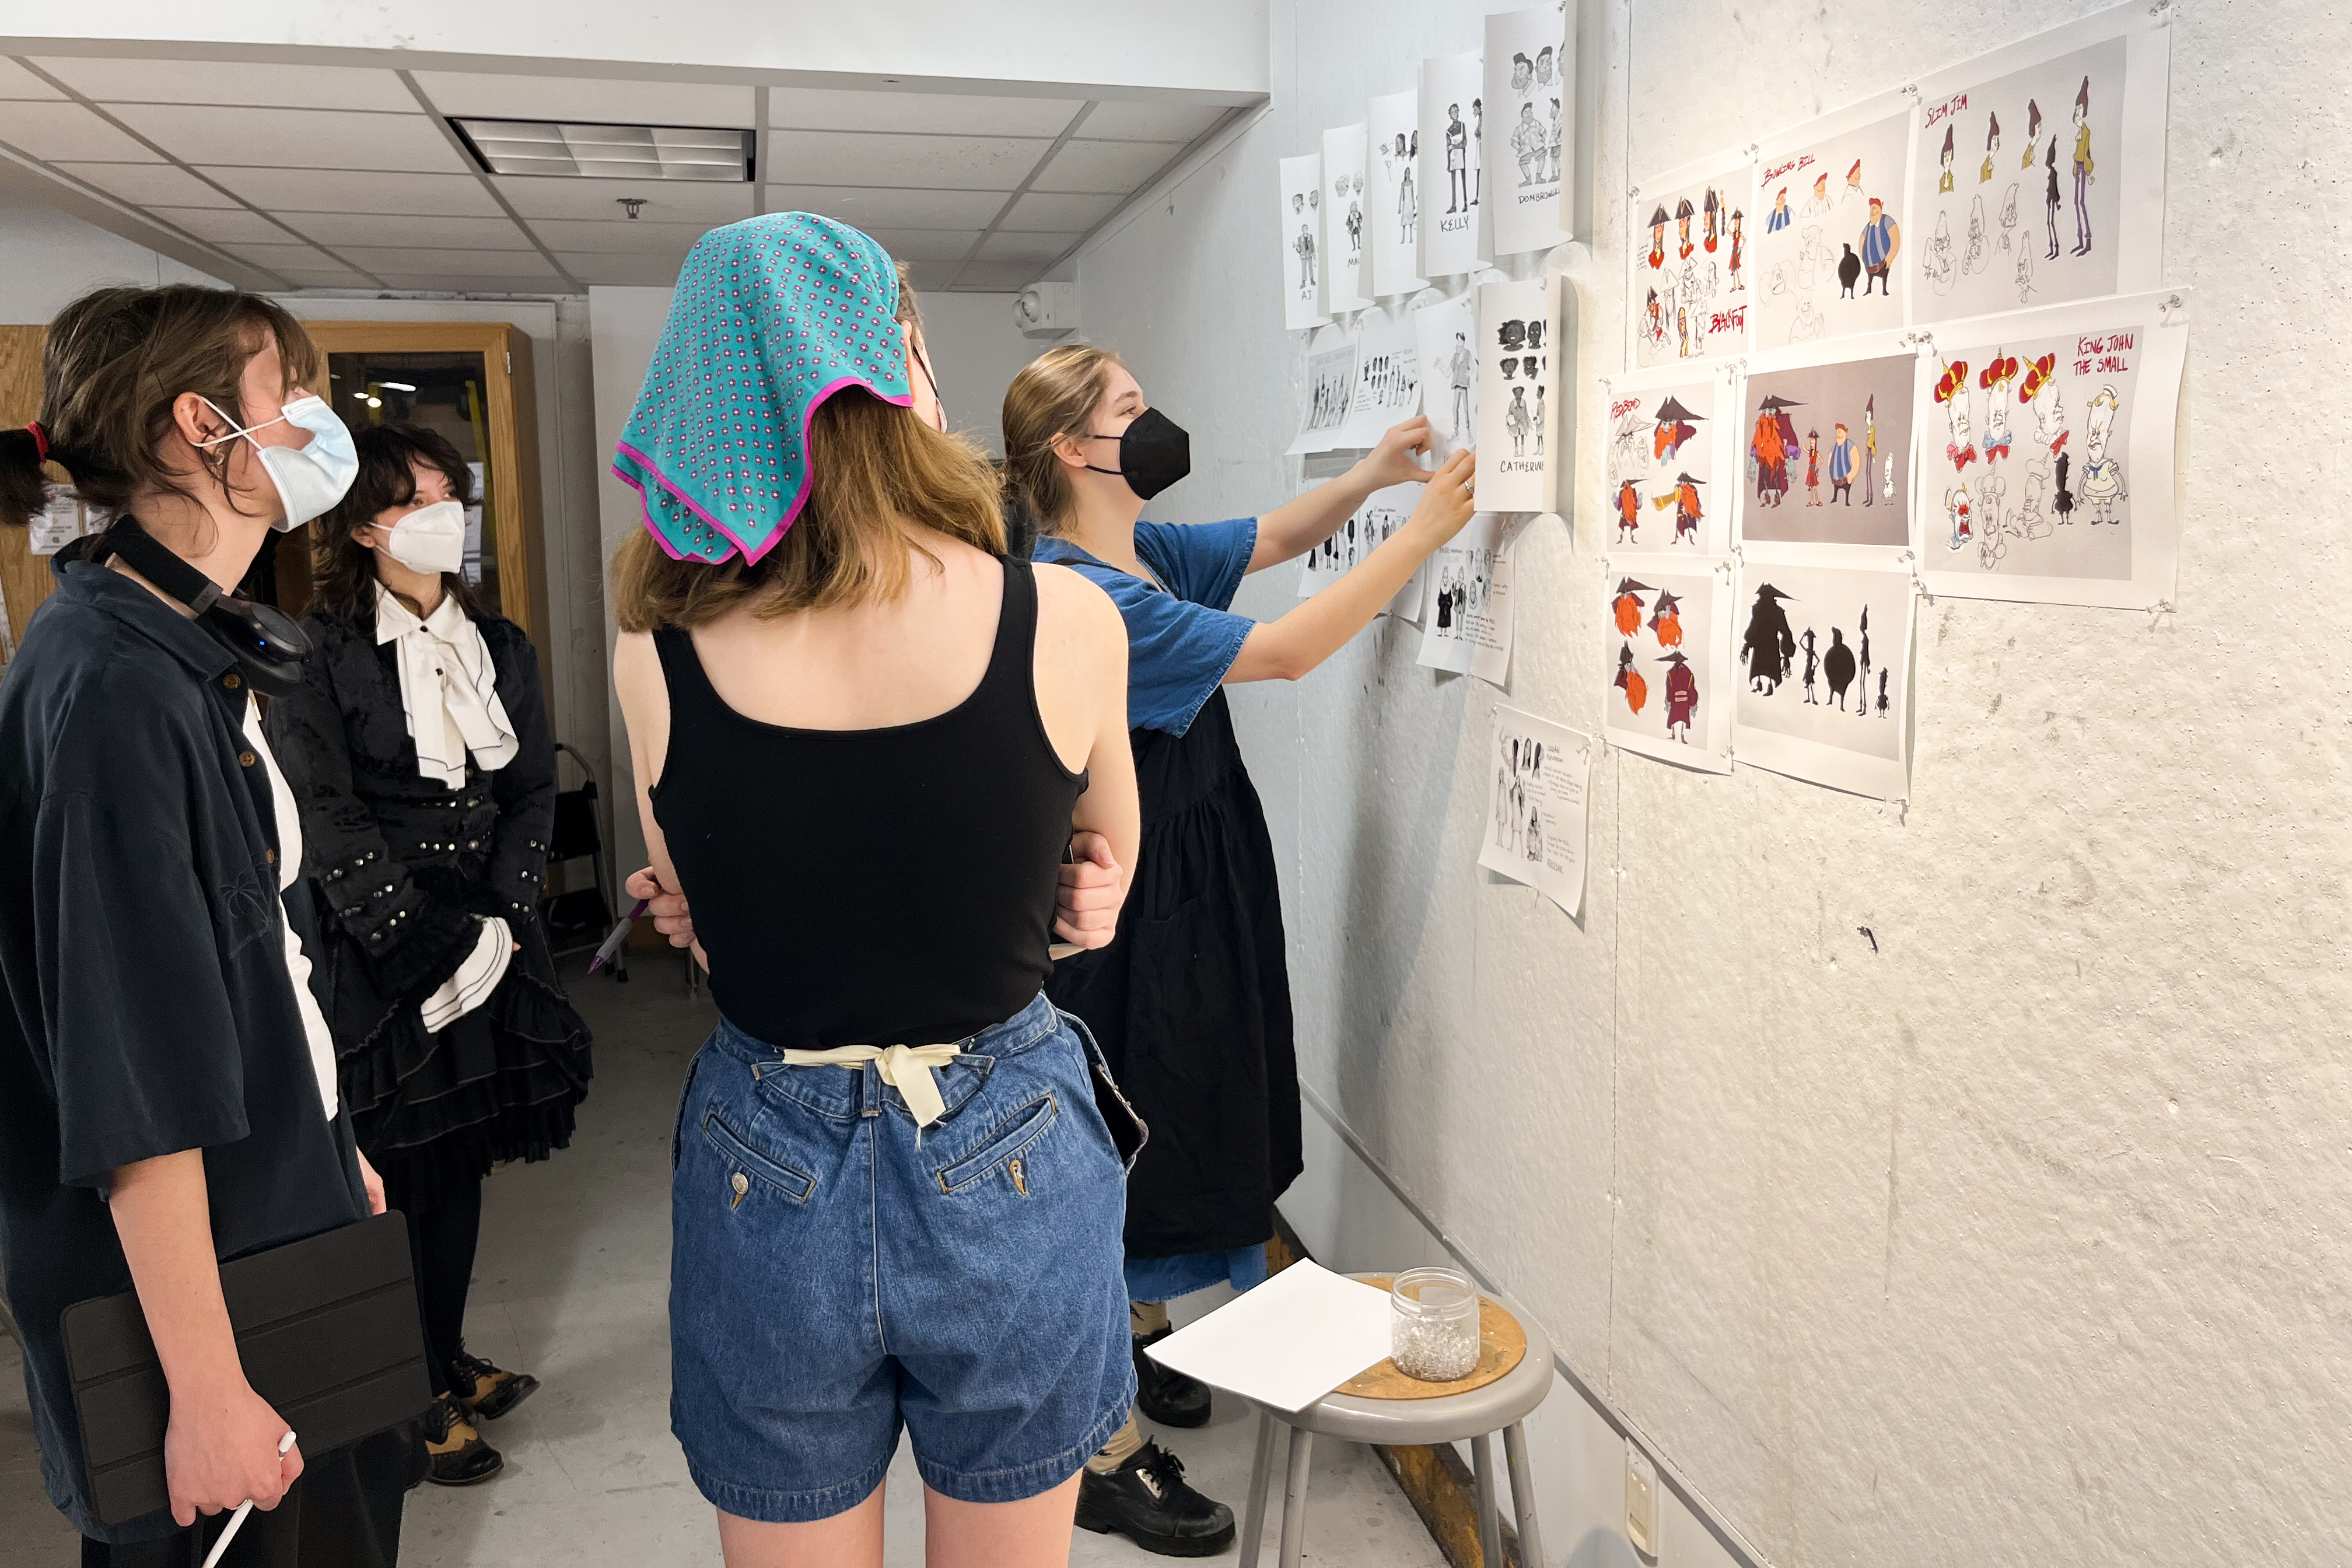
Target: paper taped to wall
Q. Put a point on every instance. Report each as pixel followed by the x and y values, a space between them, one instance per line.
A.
pixel 1830 253
pixel 1688 294
pixel 1371 525
pixel 1535 816
pixel 1392 168
pixel 1529 103
pixel 1445 336
pixel 1299 222
pixel 1451 113
pixel 1824 659
pixel 1672 473
pixel 1518 412
pixel 1668 625
pixel 1467 613
pixel 1388 379
pixel 1329 388
pixel 1346 277
pixel 1828 443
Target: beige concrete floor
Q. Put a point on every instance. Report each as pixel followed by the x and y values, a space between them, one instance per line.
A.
pixel 571 1285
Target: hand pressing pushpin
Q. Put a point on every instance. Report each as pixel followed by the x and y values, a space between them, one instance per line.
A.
pixel 237 1520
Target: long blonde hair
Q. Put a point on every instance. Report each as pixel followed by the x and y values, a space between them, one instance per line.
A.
pixel 1055 395
pixel 878 474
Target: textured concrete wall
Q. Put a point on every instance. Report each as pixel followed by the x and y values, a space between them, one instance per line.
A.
pixel 2020 1238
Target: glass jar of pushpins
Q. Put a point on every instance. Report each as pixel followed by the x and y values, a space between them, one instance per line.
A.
pixel 1434 1324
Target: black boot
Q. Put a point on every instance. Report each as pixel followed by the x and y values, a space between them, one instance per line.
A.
pixel 1165 1395
pixel 1148 1500
pixel 460 1456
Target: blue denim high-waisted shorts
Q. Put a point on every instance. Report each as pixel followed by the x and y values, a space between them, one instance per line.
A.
pixel 831 1278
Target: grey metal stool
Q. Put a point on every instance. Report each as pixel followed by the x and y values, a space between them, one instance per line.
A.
pixel 1501 1405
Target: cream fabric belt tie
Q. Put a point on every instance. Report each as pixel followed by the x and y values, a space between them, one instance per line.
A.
pixel 907 1068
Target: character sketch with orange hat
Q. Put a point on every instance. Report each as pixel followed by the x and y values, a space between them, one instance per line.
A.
pixel 1629 679
pixel 1629 513
pixel 1683 498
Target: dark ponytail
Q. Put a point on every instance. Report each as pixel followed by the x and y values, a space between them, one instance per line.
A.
pixel 20 478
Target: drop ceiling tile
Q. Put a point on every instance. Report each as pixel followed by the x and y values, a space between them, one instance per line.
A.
pixel 328 191
pixel 1038 210
pixel 667 201
pixel 302 256
pixel 16 82
pixel 926 244
pixel 983 277
pixel 294 138
pixel 1043 249
pixel 933 275
pixel 479 283
pixel 226 225
pixel 883 208
pixel 68 131
pixel 231 82
pixel 332 277
pixel 654 271
pixel 616 236
pixel 585 100
pixel 389 259
pixel 878 158
pixel 828 109
pixel 1150 121
pixel 364 228
pixel 159 184
pixel 1083 165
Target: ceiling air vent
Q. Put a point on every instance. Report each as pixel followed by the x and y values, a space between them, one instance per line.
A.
pixel 607 152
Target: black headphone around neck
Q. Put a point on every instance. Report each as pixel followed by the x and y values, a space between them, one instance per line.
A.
pixel 268 644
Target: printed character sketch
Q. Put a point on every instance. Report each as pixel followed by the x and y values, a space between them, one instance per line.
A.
pixel 1674 425
pixel 1780 217
pixel 1710 221
pixel 1629 679
pixel 1767 646
pixel 1863 666
pixel 1462 369
pixel 1772 446
pixel 1684 213
pixel 1457 160
pixel 1477 148
pixel 1629 513
pixel 1517 421
pixel 1853 185
pixel 2081 169
pixel 1809 323
pixel 1813 468
pixel 1999 373
pixel 1626 605
pixel 1739 246
pixel 1952 393
pixel 2049 201
pixel 1400 161
pixel 1992 146
pixel 1528 144
pixel 1886 492
pixel 2030 523
pixel 1551 141
pixel 1944 182
pixel 1843 459
pixel 1869 446
pixel 1980 252
pixel 1304 246
pixel 1813 665
pixel 1818 203
pixel 2032 131
pixel 1658 221
pixel 1666 620
pixel 2025 290
pixel 2007 217
pixel 1682 696
pixel 1882 712
pixel 2103 472
pixel 1354 219
pixel 1809 257
pixel 1683 498
pixel 1837 668
pixel 1849 273
pixel 2063 500
pixel 1882 241
pixel 1940 269
pixel 1992 528
pixel 1956 508
pixel 1540 390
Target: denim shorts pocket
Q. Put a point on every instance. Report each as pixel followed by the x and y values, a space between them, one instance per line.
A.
pixel 684 1099
pixel 1001 1146
pixel 749 1162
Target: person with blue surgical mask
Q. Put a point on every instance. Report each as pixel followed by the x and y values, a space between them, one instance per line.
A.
pixel 168 1092
pixel 418 751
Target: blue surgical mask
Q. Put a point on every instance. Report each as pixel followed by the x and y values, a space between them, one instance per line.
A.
pixel 310 479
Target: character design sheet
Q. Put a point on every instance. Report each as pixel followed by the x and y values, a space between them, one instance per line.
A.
pixel 2037 171
pixel 1347 275
pixel 1693 286
pixel 1453 110
pixel 1826 450
pixel 1329 390
pixel 1669 658
pixel 1536 813
pixel 2063 491
pixel 1388 378
pixel 1371 525
pixel 1830 225
pixel 1445 334
pixel 1467 602
pixel 1300 230
pixel 1518 411
pixel 1821 659
pixel 1394 201
pixel 1529 117
pixel 1671 467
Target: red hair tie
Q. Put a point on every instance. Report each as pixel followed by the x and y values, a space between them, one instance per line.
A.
pixel 40 439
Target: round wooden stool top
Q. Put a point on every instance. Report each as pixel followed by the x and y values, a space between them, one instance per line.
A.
pixel 1502 1344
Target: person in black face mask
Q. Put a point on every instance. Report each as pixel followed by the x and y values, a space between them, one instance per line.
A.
pixel 1190 999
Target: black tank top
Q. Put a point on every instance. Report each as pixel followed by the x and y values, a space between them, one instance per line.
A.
pixel 870 887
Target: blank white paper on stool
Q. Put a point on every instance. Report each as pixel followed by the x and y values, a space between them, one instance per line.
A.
pixel 1289 1341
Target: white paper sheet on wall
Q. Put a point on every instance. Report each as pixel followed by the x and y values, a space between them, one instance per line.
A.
pixel 1536 813
pixel 1392 170
pixel 1519 415
pixel 1690 287
pixel 1371 525
pixel 1453 162
pixel 1672 469
pixel 1388 379
pixel 1530 114
pixel 2064 494
pixel 1445 334
pixel 1466 609
pixel 1345 225
pixel 1831 251
pixel 1823 662
pixel 1330 389
pixel 1667 623
pixel 1298 225
pixel 1829 451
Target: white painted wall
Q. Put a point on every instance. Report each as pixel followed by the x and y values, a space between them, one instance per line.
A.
pixel 49 259
pixel 1213 47
pixel 2018 1238
pixel 974 348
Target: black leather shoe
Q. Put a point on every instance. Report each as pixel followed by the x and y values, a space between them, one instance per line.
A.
pixel 460 1456
pixel 1165 1395
pixel 488 1389
pixel 1148 1500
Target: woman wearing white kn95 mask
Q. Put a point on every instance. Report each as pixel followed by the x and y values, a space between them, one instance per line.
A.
pixel 419 755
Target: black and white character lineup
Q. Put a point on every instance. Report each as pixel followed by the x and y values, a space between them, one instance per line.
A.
pixel 1445 334
pixel 1821 663
pixel 1300 223
pixel 1691 276
pixel 1667 435
pixel 1518 419
pixel 1669 671
pixel 1536 813
pixel 1466 604
pixel 1371 525
pixel 1452 117
pixel 1329 390
pixel 1529 65
pixel 1829 256
pixel 2046 453
pixel 1346 278
pixel 1392 170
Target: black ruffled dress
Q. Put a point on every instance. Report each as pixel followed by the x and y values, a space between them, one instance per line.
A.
pixel 401 866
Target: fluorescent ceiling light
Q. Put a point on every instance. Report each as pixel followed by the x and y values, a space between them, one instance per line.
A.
pixel 608 151
pixel 396 386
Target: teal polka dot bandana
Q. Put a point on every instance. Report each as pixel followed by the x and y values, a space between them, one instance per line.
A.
pixel 772 316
